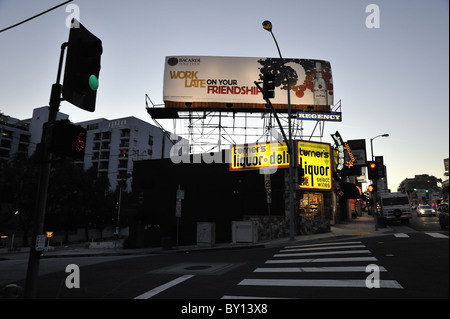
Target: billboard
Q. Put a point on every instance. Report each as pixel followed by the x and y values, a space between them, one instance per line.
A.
pixel 315 159
pixel 228 82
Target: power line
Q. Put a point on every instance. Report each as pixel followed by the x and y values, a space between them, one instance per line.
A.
pixel 17 24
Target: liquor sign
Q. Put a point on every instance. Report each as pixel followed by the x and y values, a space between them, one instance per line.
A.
pixel 258 156
pixel 315 159
pixel 228 82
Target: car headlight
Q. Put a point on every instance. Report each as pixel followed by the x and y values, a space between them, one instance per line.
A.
pixel 421 210
pixel 433 211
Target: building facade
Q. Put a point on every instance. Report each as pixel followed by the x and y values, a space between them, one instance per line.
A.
pixel 422 189
pixel 15 137
pixel 113 145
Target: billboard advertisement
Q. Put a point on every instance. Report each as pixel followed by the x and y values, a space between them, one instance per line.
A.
pixel 315 159
pixel 228 82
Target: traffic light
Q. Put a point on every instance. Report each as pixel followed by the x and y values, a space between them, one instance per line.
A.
pixel 372 188
pixel 372 169
pixel 269 86
pixel 68 140
pixel 82 68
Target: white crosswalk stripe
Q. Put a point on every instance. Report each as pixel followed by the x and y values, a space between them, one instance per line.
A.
pixel 323 265
pixel 434 235
pixel 437 235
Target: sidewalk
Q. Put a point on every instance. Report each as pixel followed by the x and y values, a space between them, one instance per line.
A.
pixel 361 226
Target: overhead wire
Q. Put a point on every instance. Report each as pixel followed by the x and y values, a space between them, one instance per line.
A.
pixel 33 17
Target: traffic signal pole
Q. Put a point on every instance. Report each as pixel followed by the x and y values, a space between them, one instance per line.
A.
pixel 267 25
pixel 44 176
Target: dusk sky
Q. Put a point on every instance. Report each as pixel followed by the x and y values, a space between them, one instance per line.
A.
pixel 392 78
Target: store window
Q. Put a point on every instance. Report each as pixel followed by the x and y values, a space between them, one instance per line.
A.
pixel 314 211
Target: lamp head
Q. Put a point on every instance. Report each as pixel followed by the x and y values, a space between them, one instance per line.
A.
pixel 267 25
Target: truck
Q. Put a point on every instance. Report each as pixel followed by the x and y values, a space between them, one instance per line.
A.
pixel 395 207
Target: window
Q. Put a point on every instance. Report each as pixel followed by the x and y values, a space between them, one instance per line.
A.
pixel 123 154
pixel 7 134
pixel 106 135
pixel 395 201
pixel 125 132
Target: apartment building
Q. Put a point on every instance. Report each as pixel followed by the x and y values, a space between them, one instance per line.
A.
pixel 14 137
pixel 113 145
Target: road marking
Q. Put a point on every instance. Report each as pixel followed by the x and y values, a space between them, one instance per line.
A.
pixel 322 248
pixel 316 269
pixel 161 288
pixel 320 260
pixel 317 283
pixel 325 244
pixel 249 297
pixel 437 235
pixel 344 252
pixel 401 235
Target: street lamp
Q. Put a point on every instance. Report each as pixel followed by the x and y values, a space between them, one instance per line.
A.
pixel 371 143
pixel 267 25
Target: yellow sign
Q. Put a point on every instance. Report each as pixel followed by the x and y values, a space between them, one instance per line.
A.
pixel 256 156
pixel 315 159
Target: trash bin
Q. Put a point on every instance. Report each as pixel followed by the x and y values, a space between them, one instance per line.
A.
pixel 244 231
pixel 206 234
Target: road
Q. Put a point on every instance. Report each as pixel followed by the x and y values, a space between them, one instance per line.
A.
pixel 411 262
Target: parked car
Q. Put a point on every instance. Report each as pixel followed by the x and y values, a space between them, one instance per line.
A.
pixel 425 210
pixel 443 214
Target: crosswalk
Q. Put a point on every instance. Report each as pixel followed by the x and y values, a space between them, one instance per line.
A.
pixel 297 271
pixel 434 235
pixel 324 265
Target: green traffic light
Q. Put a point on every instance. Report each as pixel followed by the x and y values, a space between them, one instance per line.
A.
pixel 93 82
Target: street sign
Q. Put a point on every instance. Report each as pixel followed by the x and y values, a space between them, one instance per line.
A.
pixel 180 194
pixel 40 242
pixel 178 208
pixel 276 135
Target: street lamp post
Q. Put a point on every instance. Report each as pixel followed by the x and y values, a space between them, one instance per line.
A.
pixel 267 25
pixel 371 143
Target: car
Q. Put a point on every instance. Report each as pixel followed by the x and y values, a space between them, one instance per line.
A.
pixel 395 206
pixel 443 215
pixel 425 210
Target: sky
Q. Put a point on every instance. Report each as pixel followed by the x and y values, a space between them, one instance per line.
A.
pixel 392 78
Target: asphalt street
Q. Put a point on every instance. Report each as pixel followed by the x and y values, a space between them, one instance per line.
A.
pixel 400 262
